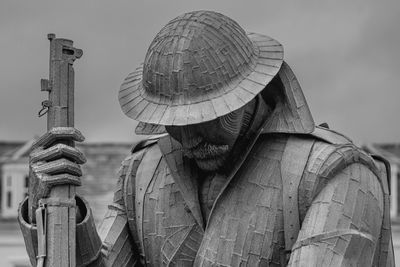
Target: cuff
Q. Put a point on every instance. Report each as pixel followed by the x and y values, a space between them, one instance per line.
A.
pixel 88 243
pixel 29 231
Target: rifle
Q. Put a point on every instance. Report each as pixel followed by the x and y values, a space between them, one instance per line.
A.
pixel 55 217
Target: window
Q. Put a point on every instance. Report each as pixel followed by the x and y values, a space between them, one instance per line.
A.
pixel 26 181
pixel 9 180
pixel 9 198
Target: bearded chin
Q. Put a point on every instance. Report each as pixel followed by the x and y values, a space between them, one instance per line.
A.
pixel 208 157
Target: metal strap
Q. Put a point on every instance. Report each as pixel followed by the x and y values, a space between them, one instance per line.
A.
pixel 129 177
pixel 144 176
pixel 129 184
pixel 294 160
pixel 41 223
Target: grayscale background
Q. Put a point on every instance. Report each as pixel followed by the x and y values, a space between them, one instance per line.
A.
pixel 345 54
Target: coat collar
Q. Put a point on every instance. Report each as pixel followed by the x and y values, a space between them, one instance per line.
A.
pixel 291 113
pixel 183 173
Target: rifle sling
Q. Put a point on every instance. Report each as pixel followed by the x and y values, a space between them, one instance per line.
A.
pixel 294 161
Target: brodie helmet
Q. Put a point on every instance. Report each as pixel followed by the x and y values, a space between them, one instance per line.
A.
pixel 200 66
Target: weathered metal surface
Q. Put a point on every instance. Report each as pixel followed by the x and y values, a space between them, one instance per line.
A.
pixel 61 220
pixel 290 193
pixel 291 113
pixel 294 160
pixel 200 66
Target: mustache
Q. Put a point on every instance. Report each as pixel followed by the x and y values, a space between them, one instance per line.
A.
pixel 205 150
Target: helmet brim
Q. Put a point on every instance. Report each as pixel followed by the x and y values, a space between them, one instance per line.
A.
pixel 135 104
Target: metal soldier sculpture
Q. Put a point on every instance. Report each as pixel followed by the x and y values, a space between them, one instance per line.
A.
pixel 242 176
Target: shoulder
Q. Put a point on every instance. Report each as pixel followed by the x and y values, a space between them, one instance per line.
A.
pixel 131 163
pixel 320 136
pixel 329 152
pixel 315 148
pixel 335 155
pixel 138 151
pixel 324 152
pixel 333 152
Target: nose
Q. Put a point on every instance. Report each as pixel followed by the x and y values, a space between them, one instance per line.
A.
pixel 190 136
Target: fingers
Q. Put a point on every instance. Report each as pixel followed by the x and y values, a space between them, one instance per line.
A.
pixel 54 162
pixel 56 152
pixel 48 181
pixel 61 179
pixel 58 133
pixel 59 166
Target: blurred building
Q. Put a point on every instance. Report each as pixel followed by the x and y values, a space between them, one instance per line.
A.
pixel 14 179
pixel 98 181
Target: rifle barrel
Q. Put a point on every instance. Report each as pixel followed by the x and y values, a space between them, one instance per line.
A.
pixel 60 206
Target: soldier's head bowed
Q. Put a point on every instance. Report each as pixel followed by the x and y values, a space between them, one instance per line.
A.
pixel 200 81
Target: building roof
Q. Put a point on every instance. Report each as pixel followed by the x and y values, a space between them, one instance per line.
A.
pixel 8 147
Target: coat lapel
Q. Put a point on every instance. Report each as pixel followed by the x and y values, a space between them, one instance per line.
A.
pixel 183 174
pixel 242 150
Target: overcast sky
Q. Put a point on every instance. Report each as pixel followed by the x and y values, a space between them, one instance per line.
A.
pixel 344 53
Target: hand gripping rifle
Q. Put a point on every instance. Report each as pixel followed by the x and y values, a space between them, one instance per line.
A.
pixel 55 217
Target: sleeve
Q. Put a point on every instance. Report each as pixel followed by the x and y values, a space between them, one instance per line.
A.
pixel 29 232
pixel 342 225
pixel 112 245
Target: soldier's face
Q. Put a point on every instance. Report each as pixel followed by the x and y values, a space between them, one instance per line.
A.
pixel 209 143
